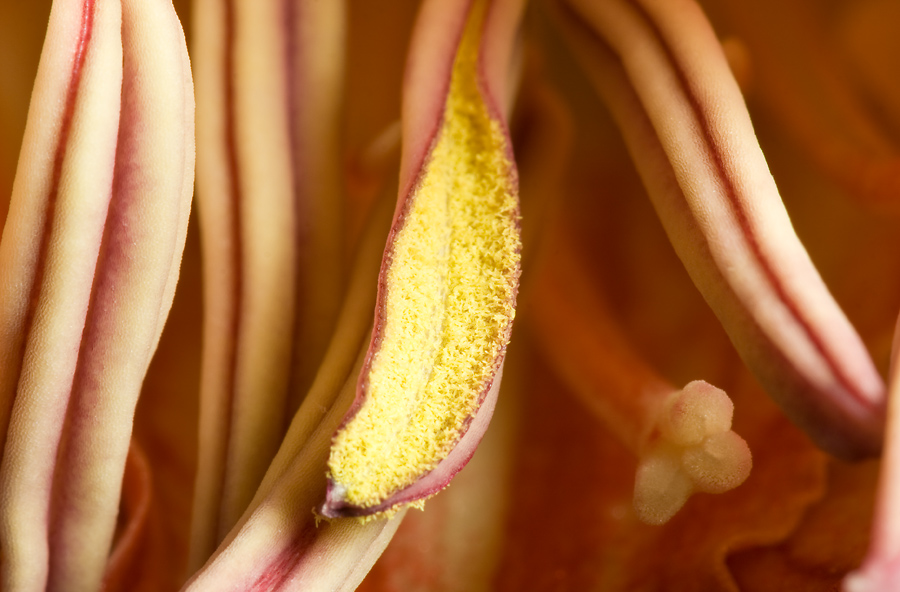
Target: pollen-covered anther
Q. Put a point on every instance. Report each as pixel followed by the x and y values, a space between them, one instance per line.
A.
pixel 445 306
pixel 696 451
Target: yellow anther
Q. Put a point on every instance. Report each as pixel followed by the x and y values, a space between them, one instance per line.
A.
pixel 449 292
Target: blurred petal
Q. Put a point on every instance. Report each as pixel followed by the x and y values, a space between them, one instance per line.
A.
pixel 583 345
pixel 829 541
pixel 22 28
pixel 137 488
pixel 834 108
pixel 867 37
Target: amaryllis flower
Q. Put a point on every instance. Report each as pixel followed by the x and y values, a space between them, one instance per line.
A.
pixel 689 396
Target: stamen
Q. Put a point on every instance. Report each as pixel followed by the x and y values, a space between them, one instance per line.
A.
pixel 446 304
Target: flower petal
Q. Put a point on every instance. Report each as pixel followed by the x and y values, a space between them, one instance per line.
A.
pixel 833 109
pixel 22 29
pixel 828 542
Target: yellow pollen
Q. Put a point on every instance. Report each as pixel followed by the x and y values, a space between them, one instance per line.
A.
pixel 450 290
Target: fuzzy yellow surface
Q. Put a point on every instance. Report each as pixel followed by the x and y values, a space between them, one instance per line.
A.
pixel 449 300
